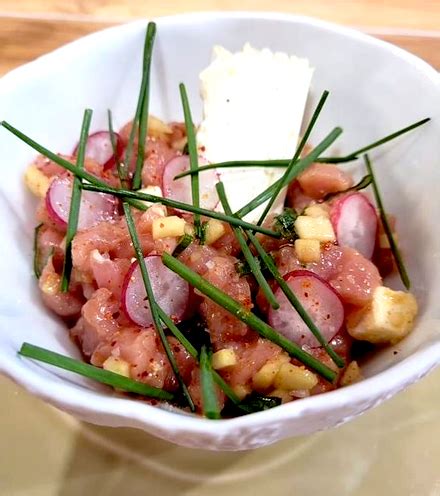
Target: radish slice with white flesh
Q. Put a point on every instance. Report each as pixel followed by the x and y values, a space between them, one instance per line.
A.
pixel 94 208
pixel 180 189
pixel 170 291
pixel 354 220
pixel 99 148
pixel 320 301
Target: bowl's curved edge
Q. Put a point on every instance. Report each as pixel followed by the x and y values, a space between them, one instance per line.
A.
pixel 125 412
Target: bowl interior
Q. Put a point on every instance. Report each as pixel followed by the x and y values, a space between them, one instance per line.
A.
pixel 374 90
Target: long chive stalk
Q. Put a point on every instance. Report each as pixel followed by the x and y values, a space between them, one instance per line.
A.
pixel 295 157
pixel 153 304
pixel 243 314
pixel 144 96
pixel 290 295
pixel 149 38
pixel 193 156
pixel 386 226
pixel 132 197
pixel 137 195
pixel 177 333
pixel 75 202
pixel 210 404
pixel 326 160
pixel 122 171
pixel 97 374
pixel 249 257
pixel 300 166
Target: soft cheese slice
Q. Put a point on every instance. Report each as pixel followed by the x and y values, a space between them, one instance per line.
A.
pixel 253 103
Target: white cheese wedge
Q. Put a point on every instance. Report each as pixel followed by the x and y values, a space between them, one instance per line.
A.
pixel 253 106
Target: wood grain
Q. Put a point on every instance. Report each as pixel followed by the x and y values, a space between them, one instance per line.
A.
pixel 414 14
pixel 24 39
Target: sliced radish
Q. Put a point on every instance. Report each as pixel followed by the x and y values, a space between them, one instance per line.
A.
pixel 95 207
pixel 99 148
pixel 320 301
pixel 170 290
pixel 180 189
pixel 354 220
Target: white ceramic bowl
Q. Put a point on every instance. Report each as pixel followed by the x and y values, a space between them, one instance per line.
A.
pixel 375 88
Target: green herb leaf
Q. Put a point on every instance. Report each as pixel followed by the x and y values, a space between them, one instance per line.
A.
pixel 184 242
pixel 100 375
pixel 243 314
pixel 193 155
pixel 209 395
pixel 256 402
pixel 75 202
pixel 295 158
pixel 154 307
pixel 387 228
pixel 285 224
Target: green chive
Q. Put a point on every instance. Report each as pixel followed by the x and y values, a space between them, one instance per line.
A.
pixel 75 202
pixel 37 261
pixel 297 169
pixel 211 408
pixel 100 375
pixel 386 226
pixel 243 314
pixel 290 295
pixel 295 158
pixel 249 257
pixel 122 171
pixel 152 303
pixel 103 188
pixel 362 184
pixel 148 45
pixel 193 156
pixel 326 160
pixel 184 242
pixel 144 96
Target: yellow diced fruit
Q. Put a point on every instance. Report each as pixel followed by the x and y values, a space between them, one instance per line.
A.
pixel 308 250
pixel 158 128
pixel 223 358
pixel 318 210
pixel 241 391
pixel 389 318
pixel 319 228
pixel 291 377
pixel 166 227
pixel 117 365
pixel 265 376
pixel 351 374
pixel 155 191
pixel 214 230
pixel 36 181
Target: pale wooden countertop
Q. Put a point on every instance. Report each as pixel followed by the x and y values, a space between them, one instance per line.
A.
pixel 29 28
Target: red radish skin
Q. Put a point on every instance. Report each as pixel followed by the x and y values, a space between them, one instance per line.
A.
pixel 95 207
pixel 354 220
pixel 320 301
pixel 99 148
pixel 171 292
pixel 180 189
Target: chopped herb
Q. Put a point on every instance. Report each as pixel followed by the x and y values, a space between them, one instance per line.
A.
pixel 246 316
pixel 252 403
pixel 285 224
pixel 210 404
pixel 184 242
pixel 100 375
pixel 37 262
pixel 387 228
pixel 75 202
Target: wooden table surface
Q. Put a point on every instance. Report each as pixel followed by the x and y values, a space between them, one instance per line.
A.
pixel 29 28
